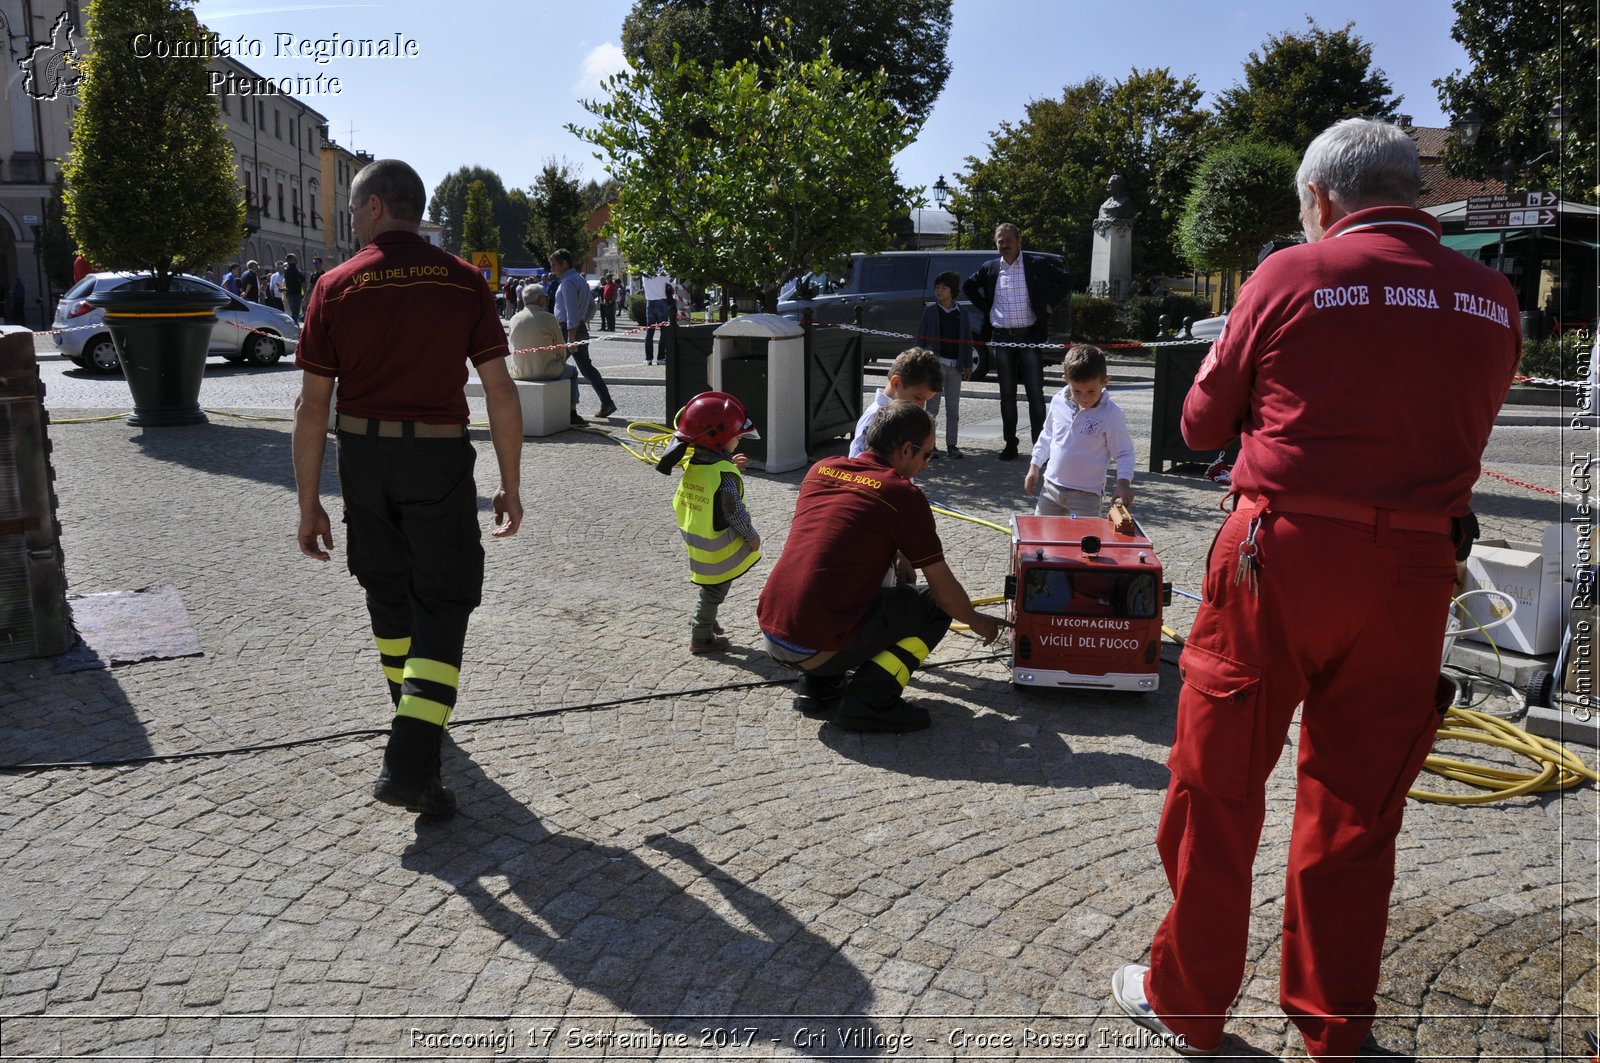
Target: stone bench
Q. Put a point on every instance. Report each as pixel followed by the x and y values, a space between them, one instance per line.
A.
pixel 546 404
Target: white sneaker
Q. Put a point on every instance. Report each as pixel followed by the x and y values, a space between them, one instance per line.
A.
pixel 1127 990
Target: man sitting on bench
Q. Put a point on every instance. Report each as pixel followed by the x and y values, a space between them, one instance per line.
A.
pixel 537 350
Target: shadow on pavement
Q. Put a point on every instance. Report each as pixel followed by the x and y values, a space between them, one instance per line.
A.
pixel 712 955
pixel 1516 507
pixel 1026 748
pixel 230 448
pixel 79 716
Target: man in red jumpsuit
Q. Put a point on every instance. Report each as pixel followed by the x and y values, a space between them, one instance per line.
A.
pixel 1362 371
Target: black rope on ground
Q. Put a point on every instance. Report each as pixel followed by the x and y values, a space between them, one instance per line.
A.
pixel 371 732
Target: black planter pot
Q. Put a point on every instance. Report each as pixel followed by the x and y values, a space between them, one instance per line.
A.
pixel 162 339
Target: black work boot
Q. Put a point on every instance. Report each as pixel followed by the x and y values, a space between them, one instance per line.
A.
pixel 819 696
pixel 410 774
pixel 899 717
pixel 872 705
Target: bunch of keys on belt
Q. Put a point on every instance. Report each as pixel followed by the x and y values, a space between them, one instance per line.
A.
pixel 1249 566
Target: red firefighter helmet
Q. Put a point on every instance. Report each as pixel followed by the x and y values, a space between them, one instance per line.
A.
pixel 714 419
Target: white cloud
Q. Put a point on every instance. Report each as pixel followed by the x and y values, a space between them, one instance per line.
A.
pixel 602 61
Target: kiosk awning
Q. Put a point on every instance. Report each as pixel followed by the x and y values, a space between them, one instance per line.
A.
pixel 1475 241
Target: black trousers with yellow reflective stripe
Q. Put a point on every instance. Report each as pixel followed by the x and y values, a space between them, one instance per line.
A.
pixel 413 542
pixel 896 635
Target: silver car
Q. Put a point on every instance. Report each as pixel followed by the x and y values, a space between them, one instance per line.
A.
pixel 244 332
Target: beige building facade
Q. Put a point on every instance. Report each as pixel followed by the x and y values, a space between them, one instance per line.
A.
pixel 39 101
pixel 278 157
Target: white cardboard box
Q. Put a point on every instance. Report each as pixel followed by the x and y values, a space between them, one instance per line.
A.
pixel 1536 576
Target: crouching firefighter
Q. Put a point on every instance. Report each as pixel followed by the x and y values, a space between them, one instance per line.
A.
pixel 825 609
pixel 709 506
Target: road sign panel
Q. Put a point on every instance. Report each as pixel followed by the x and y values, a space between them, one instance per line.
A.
pixel 1489 220
pixel 1512 200
pixel 488 263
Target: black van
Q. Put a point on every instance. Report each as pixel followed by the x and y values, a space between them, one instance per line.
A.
pixel 887 293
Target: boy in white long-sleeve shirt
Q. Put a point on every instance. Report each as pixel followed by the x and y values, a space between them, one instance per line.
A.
pixel 1083 432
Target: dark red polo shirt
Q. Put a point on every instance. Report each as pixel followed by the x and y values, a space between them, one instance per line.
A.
pixel 852 515
pixel 397 325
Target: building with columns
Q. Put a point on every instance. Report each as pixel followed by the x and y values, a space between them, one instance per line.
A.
pixel 39 102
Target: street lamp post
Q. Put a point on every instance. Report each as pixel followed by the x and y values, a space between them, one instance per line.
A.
pixel 941 192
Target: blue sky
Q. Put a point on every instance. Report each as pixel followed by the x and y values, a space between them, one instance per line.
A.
pixel 493 84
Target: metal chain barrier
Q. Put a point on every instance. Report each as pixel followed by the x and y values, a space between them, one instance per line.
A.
pixel 973 343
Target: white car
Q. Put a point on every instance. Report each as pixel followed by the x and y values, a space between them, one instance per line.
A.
pixel 244 332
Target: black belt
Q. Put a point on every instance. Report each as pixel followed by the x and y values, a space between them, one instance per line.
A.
pixel 367 426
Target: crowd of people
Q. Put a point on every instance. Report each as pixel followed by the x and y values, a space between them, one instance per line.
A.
pixel 861 593
pixel 285 288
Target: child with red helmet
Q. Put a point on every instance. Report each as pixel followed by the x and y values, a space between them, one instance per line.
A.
pixel 709 505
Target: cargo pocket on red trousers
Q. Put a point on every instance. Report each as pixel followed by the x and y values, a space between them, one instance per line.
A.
pixel 1214 749
pixel 1421 746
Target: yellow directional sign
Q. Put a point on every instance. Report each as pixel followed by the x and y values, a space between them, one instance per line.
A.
pixel 488 263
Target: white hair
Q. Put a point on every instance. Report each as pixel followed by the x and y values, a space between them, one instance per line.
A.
pixel 1361 163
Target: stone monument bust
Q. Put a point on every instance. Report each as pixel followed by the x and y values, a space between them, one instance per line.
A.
pixel 1117 207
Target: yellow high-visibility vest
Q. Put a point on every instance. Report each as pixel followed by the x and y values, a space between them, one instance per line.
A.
pixel 714 556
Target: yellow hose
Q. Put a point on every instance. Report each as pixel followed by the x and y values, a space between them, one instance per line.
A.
pixel 975 520
pixel 1559 768
pixel 89 420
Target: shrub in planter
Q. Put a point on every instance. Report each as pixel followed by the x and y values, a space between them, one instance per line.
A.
pixel 150 186
pixel 149 182
pixel 636 307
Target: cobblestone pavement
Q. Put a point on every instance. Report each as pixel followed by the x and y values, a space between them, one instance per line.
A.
pixel 655 856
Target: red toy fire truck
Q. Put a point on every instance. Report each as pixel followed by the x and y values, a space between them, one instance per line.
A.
pixel 1086 604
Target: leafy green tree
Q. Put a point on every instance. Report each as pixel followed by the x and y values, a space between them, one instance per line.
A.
pixel 1243 196
pixel 744 173
pixel 558 214
pixel 1301 83
pixel 448 207
pixel 149 181
pixel 596 193
pixel 478 230
pixel 1048 173
pixel 55 242
pixel 906 39
pixel 1525 53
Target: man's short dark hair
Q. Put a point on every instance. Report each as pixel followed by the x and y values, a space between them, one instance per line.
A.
pixel 950 279
pixel 1084 363
pixel 563 256
pixel 397 186
pixel 898 423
